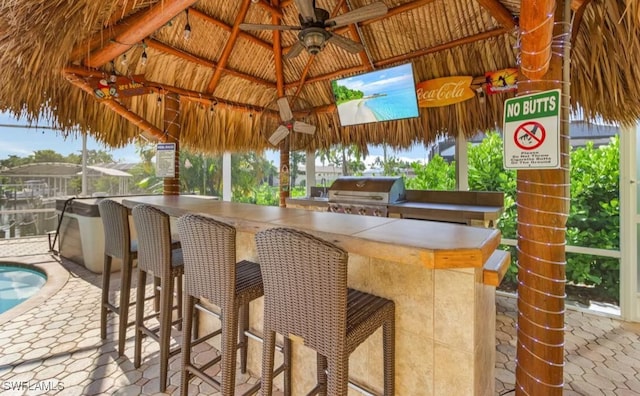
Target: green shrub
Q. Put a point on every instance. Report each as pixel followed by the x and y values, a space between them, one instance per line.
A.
pixel 594 219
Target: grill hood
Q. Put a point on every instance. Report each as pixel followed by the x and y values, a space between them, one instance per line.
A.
pixel 370 190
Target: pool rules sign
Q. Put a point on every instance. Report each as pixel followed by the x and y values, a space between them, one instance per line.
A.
pixel 532 131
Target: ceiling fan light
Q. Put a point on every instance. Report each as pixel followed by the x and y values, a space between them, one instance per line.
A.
pixel 314 40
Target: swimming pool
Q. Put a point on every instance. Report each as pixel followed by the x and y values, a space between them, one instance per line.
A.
pixel 17 284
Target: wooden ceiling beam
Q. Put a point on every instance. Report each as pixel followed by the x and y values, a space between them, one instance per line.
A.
pixel 442 47
pixel 103 36
pixel 499 12
pixel 397 10
pixel 157 45
pixel 328 76
pixel 79 73
pixel 228 48
pixel 275 11
pixel 117 107
pixel 227 28
pixel 152 20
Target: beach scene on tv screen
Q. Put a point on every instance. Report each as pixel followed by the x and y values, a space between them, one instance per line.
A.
pixel 383 95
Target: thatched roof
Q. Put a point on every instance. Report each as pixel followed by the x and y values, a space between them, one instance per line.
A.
pixel 226 77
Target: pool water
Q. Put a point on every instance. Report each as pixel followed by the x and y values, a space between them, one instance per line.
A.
pixel 17 284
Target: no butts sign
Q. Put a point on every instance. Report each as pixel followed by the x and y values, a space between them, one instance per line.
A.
pixel 532 131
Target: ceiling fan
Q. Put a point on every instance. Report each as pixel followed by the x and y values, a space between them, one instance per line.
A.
pixel 316 27
pixel 287 123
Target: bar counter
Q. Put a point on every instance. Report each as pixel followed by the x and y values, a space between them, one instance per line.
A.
pixel 445 314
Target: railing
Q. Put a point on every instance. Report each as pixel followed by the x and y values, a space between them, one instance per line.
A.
pixel 15 223
pixel 577 249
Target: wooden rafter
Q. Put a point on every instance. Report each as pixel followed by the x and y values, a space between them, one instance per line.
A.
pixel 98 39
pixel 275 11
pixel 153 19
pixel 499 12
pixel 117 107
pixel 156 45
pixel 398 10
pixel 227 28
pixel 226 52
pixel 160 88
pixel 329 76
pixel 441 47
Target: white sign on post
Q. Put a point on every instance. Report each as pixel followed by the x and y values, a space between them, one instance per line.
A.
pixel 532 131
pixel 165 160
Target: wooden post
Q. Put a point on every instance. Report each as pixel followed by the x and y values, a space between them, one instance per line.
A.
pixel 543 198
pixel 172 129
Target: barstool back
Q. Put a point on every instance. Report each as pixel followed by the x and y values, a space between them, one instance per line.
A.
pixel 115 222
pixel 154 239
pixel 209 249
pixel 305 287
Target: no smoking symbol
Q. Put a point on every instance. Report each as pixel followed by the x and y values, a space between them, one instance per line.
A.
pixel 530 135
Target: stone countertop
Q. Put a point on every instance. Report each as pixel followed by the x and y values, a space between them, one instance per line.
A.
pixel 425 243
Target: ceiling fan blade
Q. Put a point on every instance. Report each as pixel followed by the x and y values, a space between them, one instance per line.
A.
pixel 280 133
pixel 372 10
pixel 260 26
pixel 345 43
pixel 285 109
pixel 303 127
pixel 294 51
pixel 306 9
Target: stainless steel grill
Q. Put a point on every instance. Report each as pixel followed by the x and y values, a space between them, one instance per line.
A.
pixel 365 195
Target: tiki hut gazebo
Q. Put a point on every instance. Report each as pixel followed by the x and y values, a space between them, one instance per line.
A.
pixel 187 72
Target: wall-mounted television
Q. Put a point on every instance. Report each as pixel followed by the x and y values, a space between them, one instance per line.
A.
pixel 381 95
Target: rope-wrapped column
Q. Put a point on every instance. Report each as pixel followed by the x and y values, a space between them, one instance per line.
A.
pixel 543 198
pixel 172 131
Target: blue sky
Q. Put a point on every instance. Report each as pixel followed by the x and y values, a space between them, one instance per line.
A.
pixel 24 141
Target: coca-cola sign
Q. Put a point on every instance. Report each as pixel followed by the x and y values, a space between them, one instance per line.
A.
pixel 444 91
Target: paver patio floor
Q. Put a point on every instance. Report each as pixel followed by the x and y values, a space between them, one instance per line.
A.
pixel 54 340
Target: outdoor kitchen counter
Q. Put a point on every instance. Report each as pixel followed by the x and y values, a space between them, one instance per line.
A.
pixel 445 313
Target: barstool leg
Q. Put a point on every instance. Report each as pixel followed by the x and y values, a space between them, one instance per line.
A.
pixel 125 293
pixel 166 305
pixel 244 340
pixel 228 349
pixel 156 294
pixel 179 301
pixel 189 307
pixel 140 293
pixel 268 348
pixel 287 366
pixel 321 368
pixel 388 345
pixel 106 277
pixel 338 378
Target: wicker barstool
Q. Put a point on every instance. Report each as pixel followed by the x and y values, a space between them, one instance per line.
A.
pixel 306 295
pixel 156 256
pixel 211 273
pixel 117 244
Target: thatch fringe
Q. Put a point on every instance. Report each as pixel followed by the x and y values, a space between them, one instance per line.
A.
pixel 37 39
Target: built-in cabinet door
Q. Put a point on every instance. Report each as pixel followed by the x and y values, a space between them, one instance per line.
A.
pixel 630 223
